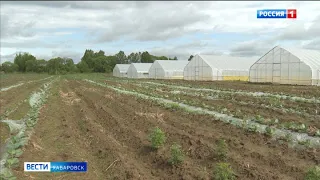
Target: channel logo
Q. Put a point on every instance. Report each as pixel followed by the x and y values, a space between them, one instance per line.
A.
pixel 277 13
pixel 55 166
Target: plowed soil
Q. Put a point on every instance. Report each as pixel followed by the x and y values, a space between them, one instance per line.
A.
pixel 234 105
pixel 302 91
pixel 13 102
pixel 12 79
pixel 84 122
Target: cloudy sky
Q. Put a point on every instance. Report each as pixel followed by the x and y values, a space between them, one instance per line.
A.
pixel 66 29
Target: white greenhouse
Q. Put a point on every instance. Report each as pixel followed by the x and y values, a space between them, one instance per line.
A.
pixel 139 70
pixel 287 66
pixel 120 70
pixel 218 67
pixel 167 69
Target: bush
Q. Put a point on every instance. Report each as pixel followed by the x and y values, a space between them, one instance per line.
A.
pixel 223 171
pixel 157 138
pixel 176 154
pixel 313 173
pixel 221 150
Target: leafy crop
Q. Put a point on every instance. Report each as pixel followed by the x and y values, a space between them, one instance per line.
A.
pixel 157 138
pixel 313 173
pixel 223 171
pixel 221 150
pixel 177 155
pixel 269 131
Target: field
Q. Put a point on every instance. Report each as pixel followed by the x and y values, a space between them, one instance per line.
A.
pixel 270 131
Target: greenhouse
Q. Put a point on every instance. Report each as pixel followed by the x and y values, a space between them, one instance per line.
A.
pixel 139 70
pixel 218 67
pixel 167 69
pixel 120 70
pixel 287 66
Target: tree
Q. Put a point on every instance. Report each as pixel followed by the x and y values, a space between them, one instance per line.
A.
pixel 121 57
pixel 9 67
pixel 31 65
pixel 41 66
pixel 99 62
pixel 111 62
pixel 175 58
pixel 83 67
pixel 69 65
pixel 88 58
pixel 190 58
pixel 146 57
pixel 21 60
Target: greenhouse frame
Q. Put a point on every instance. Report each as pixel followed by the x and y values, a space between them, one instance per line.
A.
pixel 139 70
pixel 218 67
pixel 167 69
pixel 287 66
pixel 120 70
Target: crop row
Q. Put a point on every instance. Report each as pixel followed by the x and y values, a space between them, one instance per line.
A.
pixel 238 109
pixel 22 130
pixel 293 138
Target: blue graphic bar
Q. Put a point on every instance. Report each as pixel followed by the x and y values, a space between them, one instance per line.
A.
pixel 55 166
pixel 68 167
pixel 272 13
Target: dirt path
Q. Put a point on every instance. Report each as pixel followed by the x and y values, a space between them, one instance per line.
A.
pixel 82 122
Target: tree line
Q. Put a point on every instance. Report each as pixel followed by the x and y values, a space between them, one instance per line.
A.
pixel 90 62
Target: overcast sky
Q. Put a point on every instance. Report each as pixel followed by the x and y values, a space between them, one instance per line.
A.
pixel 66 29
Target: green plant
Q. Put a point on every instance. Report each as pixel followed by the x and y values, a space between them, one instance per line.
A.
pixel 288 137
pixel 305 143
pixel 177 155
pixel 7 174
pixel 269 131
pixel 313 173
pixel 15 152
pixel 223 171
pixel 253 128
pixel 157 138
pixel 221 150
pixel 12 162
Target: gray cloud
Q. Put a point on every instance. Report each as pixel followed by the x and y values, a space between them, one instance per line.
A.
pixel 30 25
pixel 252 48
pixel 77 5
pixel 298 32
pixel 314 44
pixel 146 25
pixel 10 29
pixel 9 57
pixel 76 56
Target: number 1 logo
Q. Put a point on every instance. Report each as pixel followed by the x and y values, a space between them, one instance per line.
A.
pixel 291 13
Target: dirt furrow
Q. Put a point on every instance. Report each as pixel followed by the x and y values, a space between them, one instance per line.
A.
pixel 259 157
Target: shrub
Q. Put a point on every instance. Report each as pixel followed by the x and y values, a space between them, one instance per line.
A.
pixel 313 173
pixel 176 154
pixel 221 150
pixel 157 138
pixel 223 171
